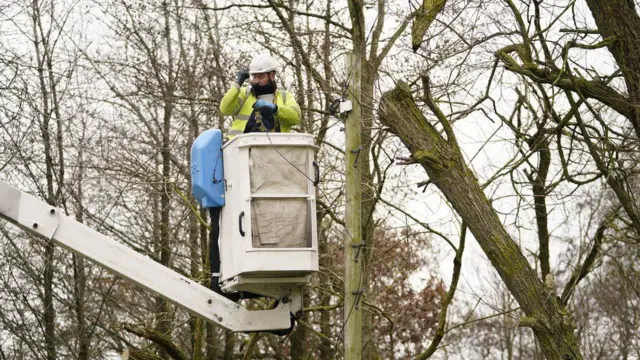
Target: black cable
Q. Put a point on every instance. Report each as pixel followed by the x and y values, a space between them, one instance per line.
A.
pixel 215 166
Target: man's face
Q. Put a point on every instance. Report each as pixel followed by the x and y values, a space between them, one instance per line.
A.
pixel 262 79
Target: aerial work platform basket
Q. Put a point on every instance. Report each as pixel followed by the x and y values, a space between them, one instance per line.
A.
pixel 265 184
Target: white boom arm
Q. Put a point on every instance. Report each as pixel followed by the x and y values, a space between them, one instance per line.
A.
pixel 38 217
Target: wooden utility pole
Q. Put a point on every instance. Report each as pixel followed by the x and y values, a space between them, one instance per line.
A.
pixel 353 285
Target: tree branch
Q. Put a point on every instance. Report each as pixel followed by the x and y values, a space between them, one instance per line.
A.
pixel 423 224
pixel 306 60
pixel 159 339
pixel 282 6
pixel 442 322
pixel 442 118
pixel 615 179
pixel 580 272
pixel 330 212
pixel 591 89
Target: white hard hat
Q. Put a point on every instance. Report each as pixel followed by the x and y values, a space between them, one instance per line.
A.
pixel 263 63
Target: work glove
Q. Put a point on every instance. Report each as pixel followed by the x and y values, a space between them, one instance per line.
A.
pixel 264 104
pixel 241 76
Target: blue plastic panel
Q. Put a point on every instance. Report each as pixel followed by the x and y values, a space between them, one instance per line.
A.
pixel 207 176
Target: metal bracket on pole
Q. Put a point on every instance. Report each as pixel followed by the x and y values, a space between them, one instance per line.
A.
pixel 358 248
pixel 358 295
pixel 357 152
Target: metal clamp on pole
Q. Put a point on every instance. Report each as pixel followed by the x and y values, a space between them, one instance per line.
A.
pixel 358 295
pixel 358 248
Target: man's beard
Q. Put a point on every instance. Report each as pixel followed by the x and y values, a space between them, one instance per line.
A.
pixel 269 88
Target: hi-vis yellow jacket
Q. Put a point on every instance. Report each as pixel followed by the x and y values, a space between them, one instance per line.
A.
pixel 238 102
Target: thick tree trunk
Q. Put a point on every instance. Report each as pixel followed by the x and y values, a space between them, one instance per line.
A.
pixel 79 271
pixel 325 347
pixel 298 339
pixel 444 164
pixel 196 324
pixel 42 54
pixel 620 19
pixel 163 308
pixel 229 345
pixel 213 344
pixel 49 313
pixel 49 310
pixel 79 286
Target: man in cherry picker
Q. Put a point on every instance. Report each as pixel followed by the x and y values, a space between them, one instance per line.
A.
pixel 260 107
pixel 276 110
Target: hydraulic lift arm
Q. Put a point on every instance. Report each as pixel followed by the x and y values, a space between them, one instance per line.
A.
pixel 37 217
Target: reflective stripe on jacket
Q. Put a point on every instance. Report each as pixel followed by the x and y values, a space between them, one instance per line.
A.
pixel 238 102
